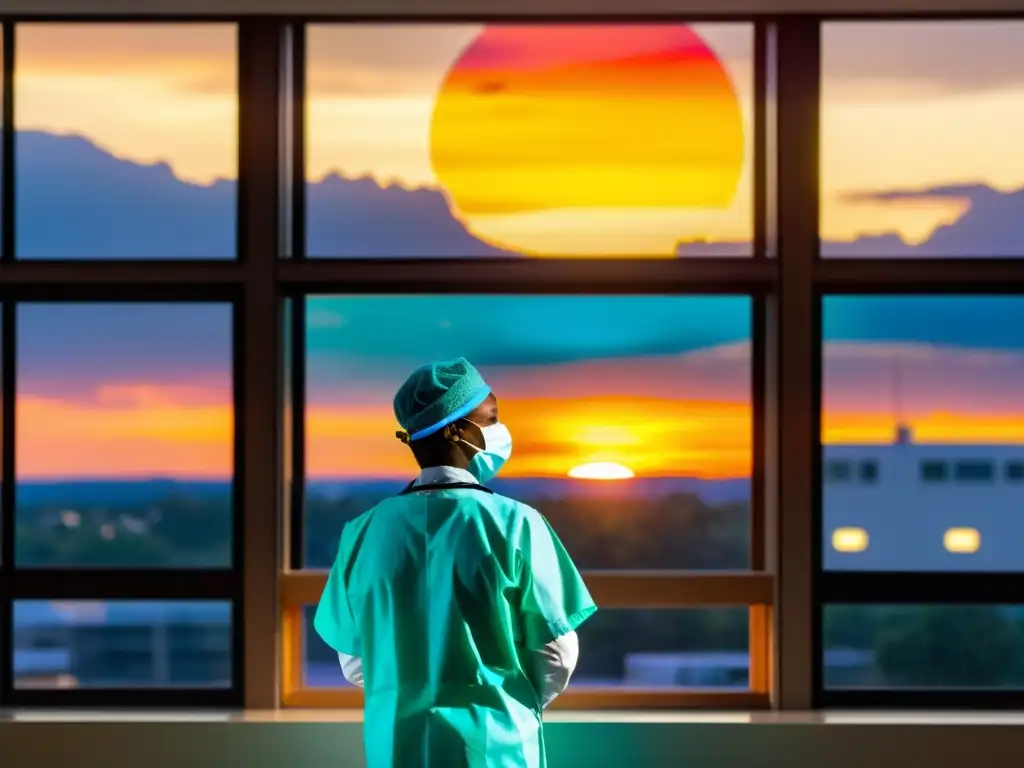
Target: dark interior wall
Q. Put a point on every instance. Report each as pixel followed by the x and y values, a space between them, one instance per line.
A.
pixel 614 745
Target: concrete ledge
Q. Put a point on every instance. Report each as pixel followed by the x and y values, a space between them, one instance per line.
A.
pixel 637 740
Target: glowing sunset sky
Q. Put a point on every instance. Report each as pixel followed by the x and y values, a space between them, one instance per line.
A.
pixel 659 384
pixel 898 111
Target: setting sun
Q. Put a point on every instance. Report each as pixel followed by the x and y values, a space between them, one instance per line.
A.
pixel 537 124
pixel 601 470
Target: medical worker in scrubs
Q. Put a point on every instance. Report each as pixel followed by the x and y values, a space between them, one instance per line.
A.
pixel 453 607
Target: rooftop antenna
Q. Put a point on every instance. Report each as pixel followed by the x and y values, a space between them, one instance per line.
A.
pixel 903 436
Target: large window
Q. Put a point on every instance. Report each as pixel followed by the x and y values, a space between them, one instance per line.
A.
pixel 630 415
pixel 519 145
pixel 126 136
pixel 921 364
pixel 930 389
pixel 917 147
pixel 121 546
pixel 632 423
pixel 124 458
pixel 787 481
pixel 513 140
pixel 139 471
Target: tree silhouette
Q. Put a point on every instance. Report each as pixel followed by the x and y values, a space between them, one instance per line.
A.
pixel 944 646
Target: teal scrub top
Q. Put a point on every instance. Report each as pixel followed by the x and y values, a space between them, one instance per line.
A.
pixel 441 592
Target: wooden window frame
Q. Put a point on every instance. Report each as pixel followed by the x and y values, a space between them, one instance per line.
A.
pixel 786 587
pixel 611 589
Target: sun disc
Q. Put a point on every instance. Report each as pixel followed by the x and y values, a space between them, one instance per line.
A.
pixel 601 470
pixel 544 120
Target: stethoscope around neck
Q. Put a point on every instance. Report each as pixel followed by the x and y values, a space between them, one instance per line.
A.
pixel 413 488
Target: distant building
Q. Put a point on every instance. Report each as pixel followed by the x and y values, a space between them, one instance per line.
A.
pixel 122 644
pixel 920 507
pixel 728 669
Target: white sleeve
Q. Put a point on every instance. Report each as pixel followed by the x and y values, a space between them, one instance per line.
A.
pixel 352 668
pixel 553 665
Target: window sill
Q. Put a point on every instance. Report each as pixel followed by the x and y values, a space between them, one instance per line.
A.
pixel 597 739
pixel 833 717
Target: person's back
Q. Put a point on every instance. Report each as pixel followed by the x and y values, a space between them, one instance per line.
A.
pixel 440 582
pixel 447 600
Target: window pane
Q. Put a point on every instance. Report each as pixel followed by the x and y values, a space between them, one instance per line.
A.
pixel 837 471
pixel 930 391
pixel 652 390
pixel 122 644
pixel 321 667
pixel 2 442
pixel 530 140
pixel 127 141
pixel 924 646
pixel 139 471
pixel 689 648
pixel 918 155
pixel 3 127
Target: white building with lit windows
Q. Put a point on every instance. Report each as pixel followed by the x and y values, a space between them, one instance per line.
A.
pixel 906 506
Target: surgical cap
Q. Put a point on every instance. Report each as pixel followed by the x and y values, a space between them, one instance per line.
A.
pixel 437 394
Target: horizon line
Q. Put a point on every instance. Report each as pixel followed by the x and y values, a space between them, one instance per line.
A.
pixel 226 479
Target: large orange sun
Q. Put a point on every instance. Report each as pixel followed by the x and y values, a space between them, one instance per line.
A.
pixel 569 119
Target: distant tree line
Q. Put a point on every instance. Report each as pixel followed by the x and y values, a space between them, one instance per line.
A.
pixel 911 646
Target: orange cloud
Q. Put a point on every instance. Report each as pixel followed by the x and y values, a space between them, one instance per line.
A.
pixel 653 437
pixel 143 432
pixel 676 415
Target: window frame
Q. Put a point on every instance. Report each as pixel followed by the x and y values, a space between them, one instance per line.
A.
pixel 129 281
pixel 903 277
pixel 751 276
pixel 895 587
pixel 109 583
pixel 787 588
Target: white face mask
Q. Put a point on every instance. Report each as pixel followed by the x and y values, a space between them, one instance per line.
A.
pixel 496 451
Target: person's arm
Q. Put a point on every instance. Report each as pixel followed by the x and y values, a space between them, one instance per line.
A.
pixel 554 603
pixel 553 666
pixel 334 620
pixel 352 668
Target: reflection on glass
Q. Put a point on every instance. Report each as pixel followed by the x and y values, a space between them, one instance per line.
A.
pixel 122 644
pixel 689 648
pixel 530 140
pixel 924 646
pixel 127 137
pixel 918 156
pixel 630 416
pixel 929 392
pixel 125 434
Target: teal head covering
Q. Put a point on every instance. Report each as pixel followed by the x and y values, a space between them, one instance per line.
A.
pixel 437 394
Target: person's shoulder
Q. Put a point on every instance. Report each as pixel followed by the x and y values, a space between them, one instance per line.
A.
pixel 361 521
pixel 517 516
pixel 512 508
